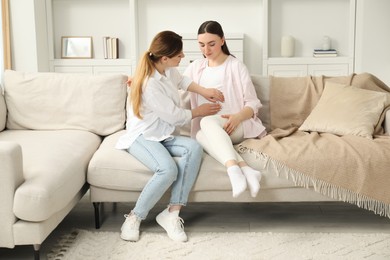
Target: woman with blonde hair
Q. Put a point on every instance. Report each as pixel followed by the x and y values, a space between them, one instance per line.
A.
pixel 153 114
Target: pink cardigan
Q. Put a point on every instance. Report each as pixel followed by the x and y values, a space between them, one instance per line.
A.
pixel 241 91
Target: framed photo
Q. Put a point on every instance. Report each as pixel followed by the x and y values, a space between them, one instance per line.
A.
pixel 76 47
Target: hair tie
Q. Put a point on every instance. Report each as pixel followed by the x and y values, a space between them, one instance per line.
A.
pixel 150 54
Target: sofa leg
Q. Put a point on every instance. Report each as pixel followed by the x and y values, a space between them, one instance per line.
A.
pixel 96 205
pixel 36 252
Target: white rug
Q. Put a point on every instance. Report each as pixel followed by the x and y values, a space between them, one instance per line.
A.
pixel 81 244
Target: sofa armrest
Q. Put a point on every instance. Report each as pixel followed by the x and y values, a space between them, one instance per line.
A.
pixel 11 176
pixel 386 122
pixel 3 112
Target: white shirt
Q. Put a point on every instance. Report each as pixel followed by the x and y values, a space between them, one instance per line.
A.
pixel 160 109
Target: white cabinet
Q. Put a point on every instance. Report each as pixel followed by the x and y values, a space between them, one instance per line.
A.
pixel 113 18
pixel 298 67
pixel 333 69
pixel 94 66
pixel 308 22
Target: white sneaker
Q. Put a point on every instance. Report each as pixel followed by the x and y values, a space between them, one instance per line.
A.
pixel 173 224
pixel 130 228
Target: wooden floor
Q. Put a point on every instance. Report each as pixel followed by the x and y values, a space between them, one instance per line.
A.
pixel 223 217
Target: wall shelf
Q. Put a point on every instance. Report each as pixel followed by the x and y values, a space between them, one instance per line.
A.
pixel 98 18
pixel 308 21
pixel 308 60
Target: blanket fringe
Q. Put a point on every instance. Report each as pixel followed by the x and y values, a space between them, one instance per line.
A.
pixel 327 189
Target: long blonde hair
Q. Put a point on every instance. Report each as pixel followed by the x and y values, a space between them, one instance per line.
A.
pixel 165 43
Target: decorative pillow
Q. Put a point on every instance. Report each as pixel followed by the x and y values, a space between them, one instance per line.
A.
pixel 347 110
pixel 53 101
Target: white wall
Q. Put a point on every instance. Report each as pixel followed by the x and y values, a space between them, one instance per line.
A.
pixel 41 35
pixel 28 35
pixel 372 52
pixel 30 47
pixel 185 17
pixel 308 23
pixel 30 50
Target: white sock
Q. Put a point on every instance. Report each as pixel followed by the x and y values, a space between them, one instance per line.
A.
pixel 253 178
pixel 173 213
pixel 237 179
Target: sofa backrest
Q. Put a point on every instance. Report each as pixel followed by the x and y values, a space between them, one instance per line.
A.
pixel 3 111
pixel 262 87
pixel 54 101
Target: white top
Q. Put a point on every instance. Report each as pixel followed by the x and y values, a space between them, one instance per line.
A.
pixel 212 77
pixel 160 109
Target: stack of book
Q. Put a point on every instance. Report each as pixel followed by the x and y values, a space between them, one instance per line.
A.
pixel 325 53
pixel 110 47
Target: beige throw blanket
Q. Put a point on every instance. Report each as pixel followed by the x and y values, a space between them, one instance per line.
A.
pixel 347 168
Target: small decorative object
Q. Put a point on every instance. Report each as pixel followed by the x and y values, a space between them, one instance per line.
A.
pixel 287 46
pixel 76 47
pixel 326 43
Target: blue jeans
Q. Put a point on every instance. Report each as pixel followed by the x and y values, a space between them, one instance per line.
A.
pixel 181 174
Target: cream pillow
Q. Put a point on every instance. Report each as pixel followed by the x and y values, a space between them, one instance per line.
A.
pixel 347 110
pixel 56 101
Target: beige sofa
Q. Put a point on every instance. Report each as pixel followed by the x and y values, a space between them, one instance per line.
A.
pixel 116 176
pixel 50 127
pixel 57 137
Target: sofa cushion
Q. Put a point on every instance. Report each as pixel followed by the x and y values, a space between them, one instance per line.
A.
pixel 115 169
pixel 3 111
pixel 347 110
pixel 118 170
pixel 262 87
pixel 54 169
pixel 52 101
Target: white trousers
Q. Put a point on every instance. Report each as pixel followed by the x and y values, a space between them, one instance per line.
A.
pixel 216 142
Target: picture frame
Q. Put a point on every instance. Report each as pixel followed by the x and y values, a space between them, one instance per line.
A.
pixel 76 47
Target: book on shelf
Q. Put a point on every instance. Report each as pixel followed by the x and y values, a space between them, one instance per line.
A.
pixel 105 48
pixel 318 55
pixel 114 46
pixel 110 47
pixel 325 53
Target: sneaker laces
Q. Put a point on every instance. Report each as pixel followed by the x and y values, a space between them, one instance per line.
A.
pixel 178 224
pixel 131 219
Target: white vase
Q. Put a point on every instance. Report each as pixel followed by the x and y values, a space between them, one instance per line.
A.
pixel 326 43
pixel 287 46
